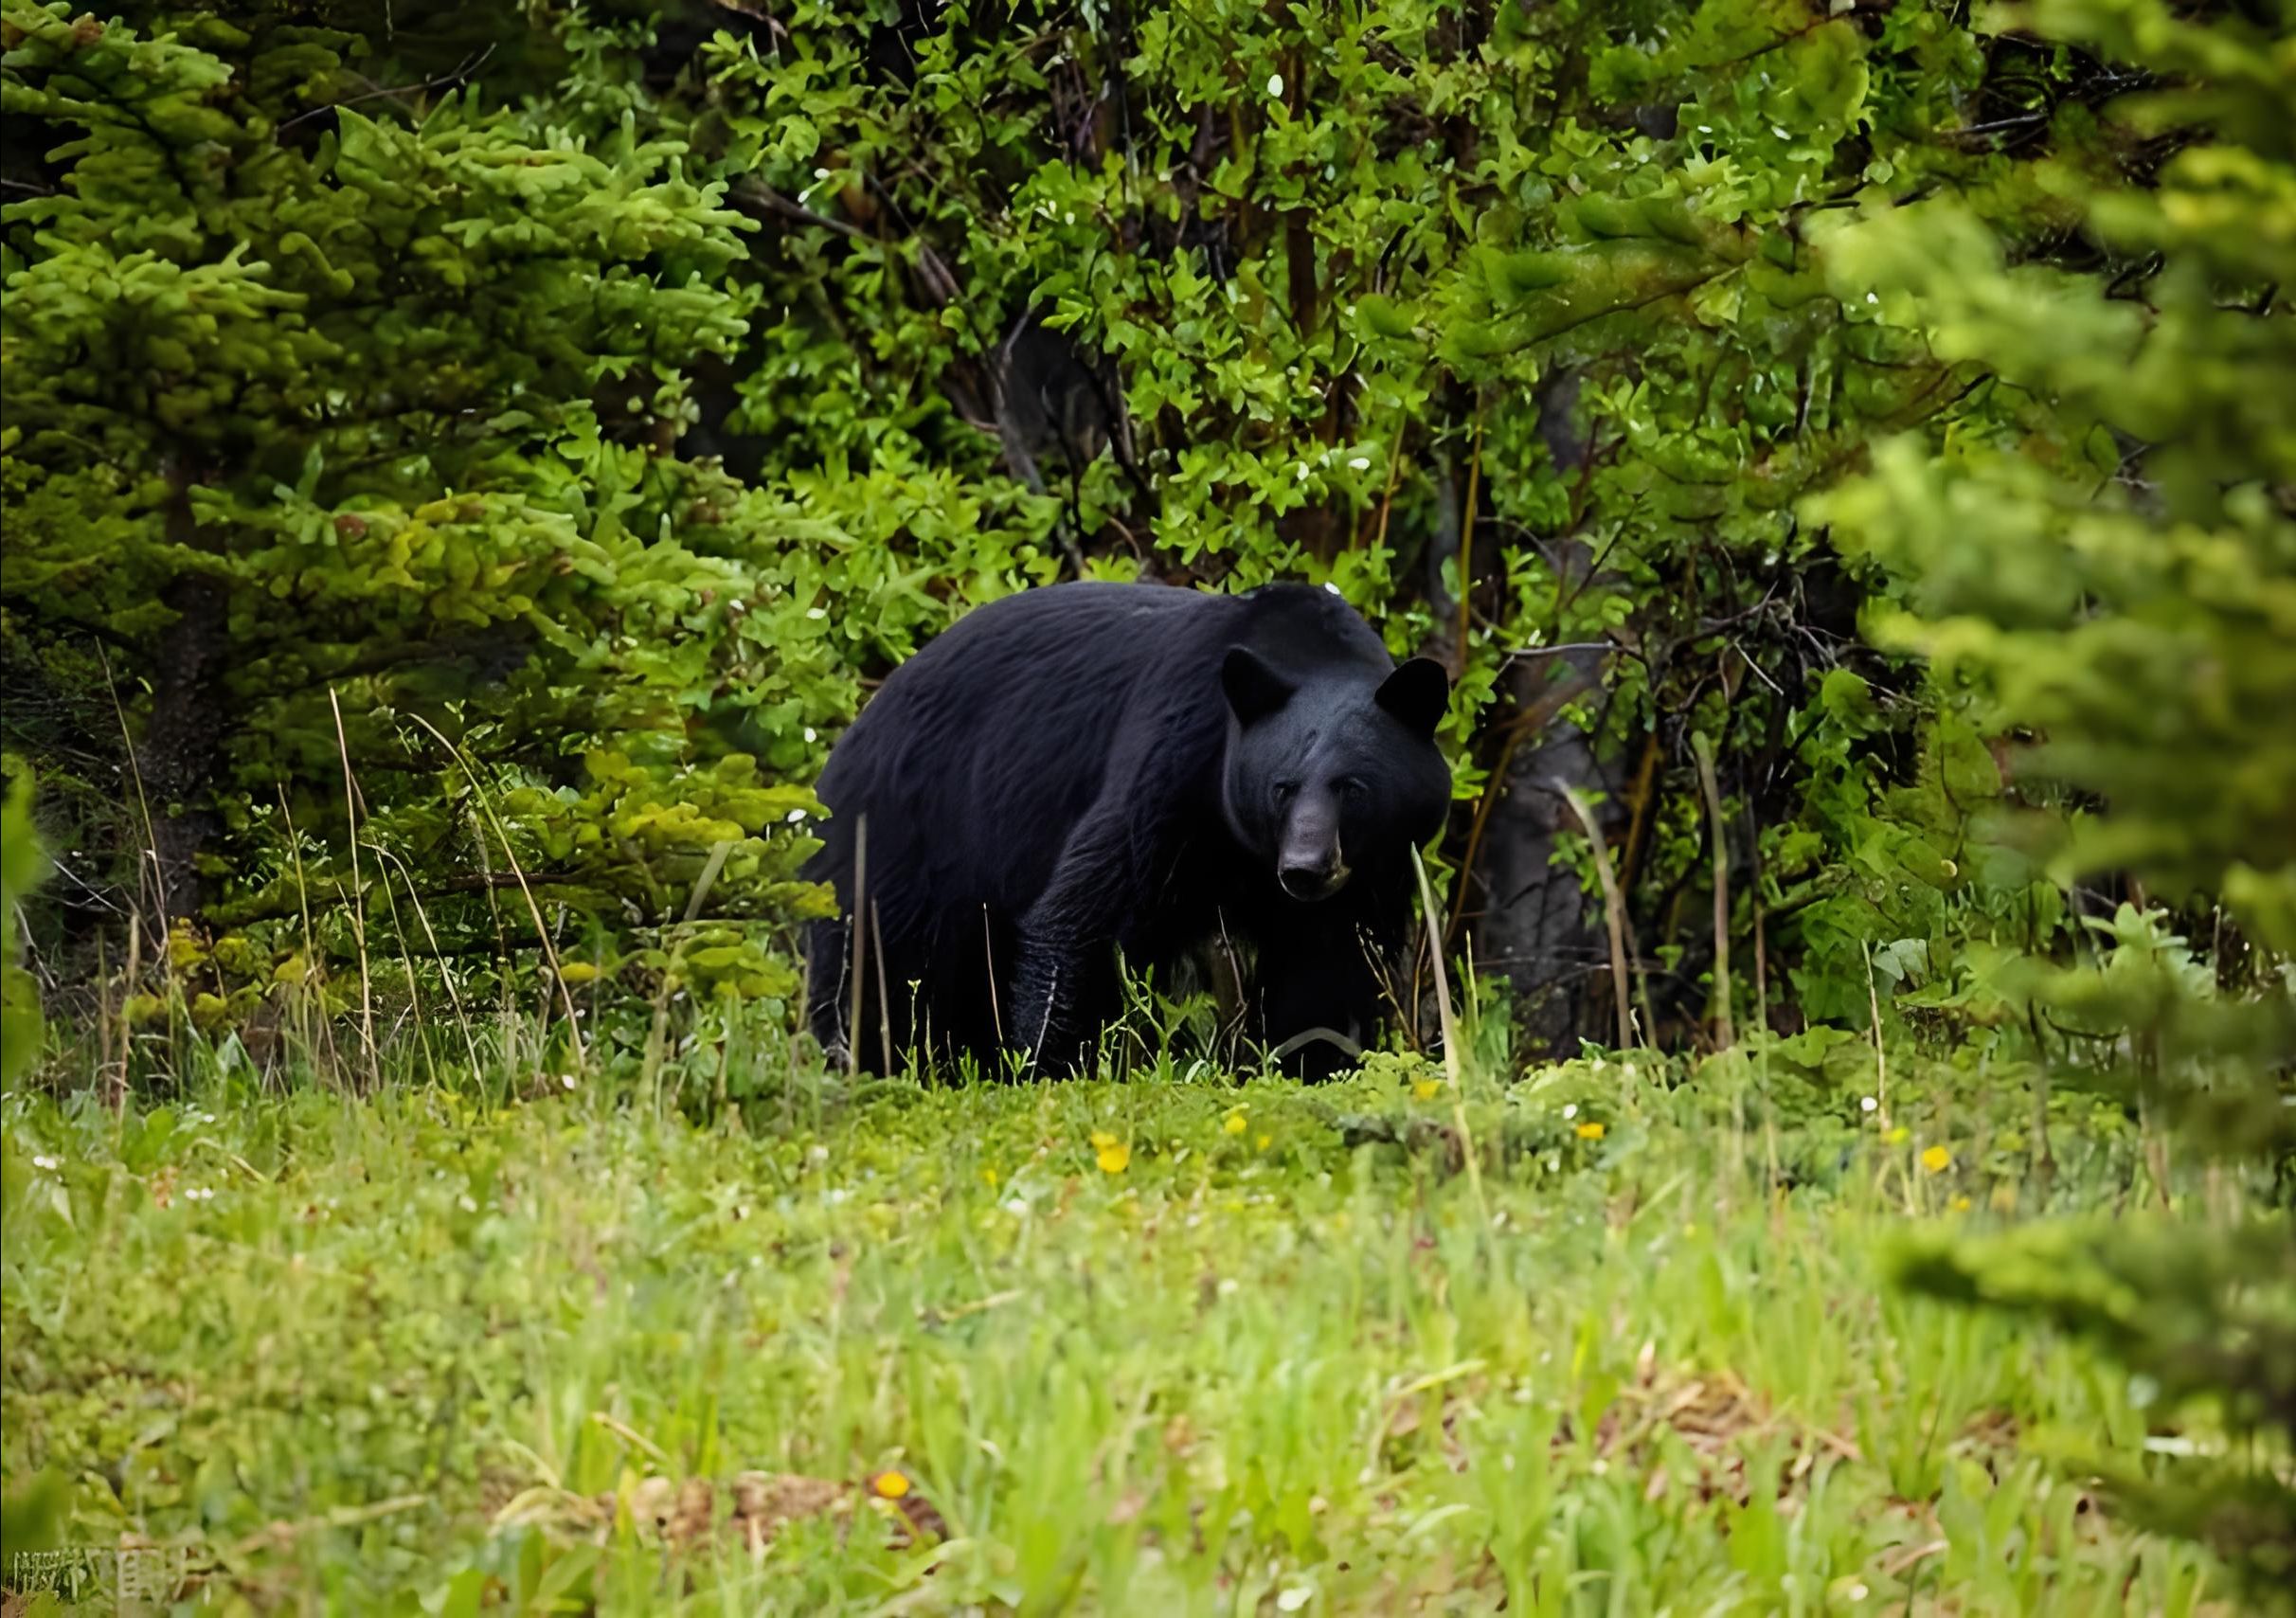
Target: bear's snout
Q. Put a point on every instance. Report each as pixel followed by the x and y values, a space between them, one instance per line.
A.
pixel 1308 862
pixel 1310 869
pixel 1312 882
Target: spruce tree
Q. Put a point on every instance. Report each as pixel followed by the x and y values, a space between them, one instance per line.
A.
pixel 340 473
pixel 2112 588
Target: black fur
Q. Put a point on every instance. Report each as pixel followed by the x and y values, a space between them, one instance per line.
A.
pixel 1094 767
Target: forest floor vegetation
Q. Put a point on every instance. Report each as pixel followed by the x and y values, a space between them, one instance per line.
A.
pixel 1182 1344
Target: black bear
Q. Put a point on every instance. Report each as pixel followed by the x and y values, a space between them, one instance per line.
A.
pixel 1089 770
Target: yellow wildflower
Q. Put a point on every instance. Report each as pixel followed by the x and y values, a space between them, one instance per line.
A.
pixel 889 1486
pixel 1236 1122
pixel 1110 1153
pixel 1961 1205
pixel 1265 1141
pixel 1589 1131
pixel 1426 1089
pixel 1898 1136
pixel 1937 1160
pixel 185 949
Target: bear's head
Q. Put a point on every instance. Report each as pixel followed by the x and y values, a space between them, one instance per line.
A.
pixel 1335 771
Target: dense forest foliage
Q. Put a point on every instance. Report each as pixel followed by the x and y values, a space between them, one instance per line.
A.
pixel 463 465
pixel 463 473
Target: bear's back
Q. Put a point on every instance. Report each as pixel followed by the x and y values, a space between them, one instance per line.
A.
pixel 1037 665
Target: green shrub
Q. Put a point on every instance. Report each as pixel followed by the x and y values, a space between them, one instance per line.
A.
pixel 21 865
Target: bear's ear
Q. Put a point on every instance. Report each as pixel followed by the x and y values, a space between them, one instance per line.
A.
pixel 1417 692
pixel 1255 690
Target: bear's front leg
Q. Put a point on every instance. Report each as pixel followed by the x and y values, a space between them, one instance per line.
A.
pixel 828 978
pixel 1047 993
pixel 1064 976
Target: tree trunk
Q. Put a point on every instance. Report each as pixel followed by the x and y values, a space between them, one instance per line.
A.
pixel 1537 926
pixel 182 740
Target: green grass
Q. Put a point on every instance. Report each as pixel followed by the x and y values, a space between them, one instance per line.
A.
pixel 364 1355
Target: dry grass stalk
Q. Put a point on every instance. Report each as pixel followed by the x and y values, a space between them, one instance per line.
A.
pixel 1614 908
pixel 542 933
pixel 1724 1036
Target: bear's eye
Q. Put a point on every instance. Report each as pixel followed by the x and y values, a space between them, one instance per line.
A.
pixel 1348 788
pixel 1286 791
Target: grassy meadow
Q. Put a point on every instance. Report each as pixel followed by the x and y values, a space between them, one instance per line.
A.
pixel 1601 1338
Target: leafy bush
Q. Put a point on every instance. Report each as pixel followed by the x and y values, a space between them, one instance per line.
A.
pixel 1504 320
